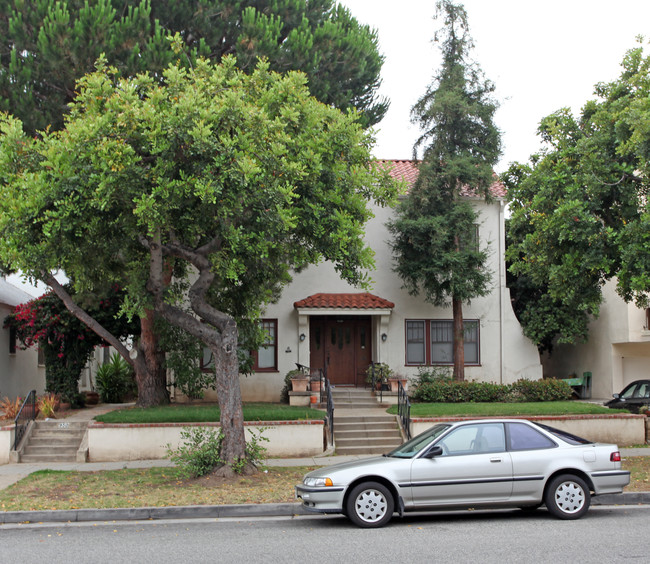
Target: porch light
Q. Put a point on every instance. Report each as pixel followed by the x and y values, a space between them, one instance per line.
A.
pixel 302 337
pixel 384 337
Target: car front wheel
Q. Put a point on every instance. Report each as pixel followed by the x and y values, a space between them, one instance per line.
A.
pixel 370 504
pixel 567 497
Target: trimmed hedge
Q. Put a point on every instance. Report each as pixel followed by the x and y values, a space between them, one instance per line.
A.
pixel 444 390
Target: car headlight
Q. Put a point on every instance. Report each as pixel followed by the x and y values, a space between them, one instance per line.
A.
pixel 318 482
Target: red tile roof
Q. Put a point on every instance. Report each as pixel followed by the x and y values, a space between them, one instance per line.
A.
pixel 408 172
pixel 345 301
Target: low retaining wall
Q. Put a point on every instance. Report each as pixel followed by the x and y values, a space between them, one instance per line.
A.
pixel 109 442
pixel 6 443
pixel 623 430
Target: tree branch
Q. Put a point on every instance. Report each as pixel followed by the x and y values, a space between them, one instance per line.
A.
pixel 82 316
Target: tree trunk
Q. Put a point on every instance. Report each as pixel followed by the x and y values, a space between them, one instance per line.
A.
pixel 229 391
pixel 150 375
pixel 459 341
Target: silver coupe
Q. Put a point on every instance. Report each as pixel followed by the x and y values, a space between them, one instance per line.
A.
pixel 482 463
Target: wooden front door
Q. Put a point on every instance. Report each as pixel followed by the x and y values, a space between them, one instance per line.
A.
pixel 342 344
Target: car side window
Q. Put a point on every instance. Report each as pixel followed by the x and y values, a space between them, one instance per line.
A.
pixel 474 439
pixel 644 391
pixel 630 392
pixel 523 437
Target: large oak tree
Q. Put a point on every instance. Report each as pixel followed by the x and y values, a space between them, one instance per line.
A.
pixel 205 190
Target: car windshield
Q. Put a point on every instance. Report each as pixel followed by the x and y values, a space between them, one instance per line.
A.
pixel 410 448
pixel 566 437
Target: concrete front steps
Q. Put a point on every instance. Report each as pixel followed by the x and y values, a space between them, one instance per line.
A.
pixel 54 441
pixel 360 425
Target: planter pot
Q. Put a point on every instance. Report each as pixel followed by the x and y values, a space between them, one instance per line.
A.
pixel 299 384
pixel 316 386
pixel 394 384
pixel 92 398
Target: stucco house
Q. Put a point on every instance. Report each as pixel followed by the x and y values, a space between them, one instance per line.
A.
pixel 20 370
pixel 322 321
pixel 617 351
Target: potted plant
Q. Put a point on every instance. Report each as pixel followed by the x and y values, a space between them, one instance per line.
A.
pixel 299 381
pixel 381 373
pixel 316 383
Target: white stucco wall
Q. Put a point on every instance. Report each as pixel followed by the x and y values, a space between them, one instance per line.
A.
pixel 506 354
pixel 148 442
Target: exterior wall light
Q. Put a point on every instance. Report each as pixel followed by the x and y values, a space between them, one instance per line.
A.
pixel 384 337
pixel 302 337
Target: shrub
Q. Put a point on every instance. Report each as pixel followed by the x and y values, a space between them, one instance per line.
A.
pixel 48 404
pixel 438 389
pixel 541 390
pixel 200 452
pixel 114 380
pixel 10 407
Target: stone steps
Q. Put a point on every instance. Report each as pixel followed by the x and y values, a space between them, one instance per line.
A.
pixel 361 426
pixel 54 441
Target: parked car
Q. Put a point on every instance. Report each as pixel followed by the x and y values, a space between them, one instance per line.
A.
pixel 479 464
pixel 633 396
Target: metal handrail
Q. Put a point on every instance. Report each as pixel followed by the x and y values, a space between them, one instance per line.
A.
pixel 26 414
pixel 404 409
pixel 374 379
pixel 330 409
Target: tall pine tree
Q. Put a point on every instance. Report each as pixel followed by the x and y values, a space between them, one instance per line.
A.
pixel 47 45
pixel 436 249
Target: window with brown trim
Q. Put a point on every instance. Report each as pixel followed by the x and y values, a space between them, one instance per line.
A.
pixel 265 359
pixel 431 342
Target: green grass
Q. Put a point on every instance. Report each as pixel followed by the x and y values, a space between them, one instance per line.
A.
pixel 506 409
pixel 208 413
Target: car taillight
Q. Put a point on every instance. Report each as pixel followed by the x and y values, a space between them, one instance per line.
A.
pixel 615 457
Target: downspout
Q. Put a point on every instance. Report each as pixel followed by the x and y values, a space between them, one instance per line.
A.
pixel 502 289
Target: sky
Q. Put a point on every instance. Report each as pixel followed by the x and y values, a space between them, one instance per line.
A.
pixel 541 55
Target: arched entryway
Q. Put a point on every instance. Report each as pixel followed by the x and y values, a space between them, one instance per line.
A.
pixel 341 333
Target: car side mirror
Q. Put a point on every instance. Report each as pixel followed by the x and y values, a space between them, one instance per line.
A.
pixel 616 396
pixel 434 451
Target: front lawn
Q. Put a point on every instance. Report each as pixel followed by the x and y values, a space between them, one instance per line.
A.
pixel 506 409
pixel 205 413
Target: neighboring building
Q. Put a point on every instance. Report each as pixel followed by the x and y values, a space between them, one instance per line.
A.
pixel 322 321
pixel 617 351
pixel 20 370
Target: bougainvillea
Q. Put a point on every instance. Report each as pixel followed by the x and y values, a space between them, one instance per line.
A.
pixel 65 341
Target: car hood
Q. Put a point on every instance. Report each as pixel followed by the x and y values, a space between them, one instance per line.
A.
pixel 366 464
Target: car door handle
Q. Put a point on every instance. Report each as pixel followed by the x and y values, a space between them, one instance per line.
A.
pixel 496 459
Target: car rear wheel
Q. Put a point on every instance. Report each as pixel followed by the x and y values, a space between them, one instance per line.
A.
pixel 370 504
pixel 567 497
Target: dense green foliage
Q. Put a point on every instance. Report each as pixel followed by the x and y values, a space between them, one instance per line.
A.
pixel 434 234
pixel 243 178
pixel 579 211
pixel 115 380
pixel 450 391
pixel 500 409
pixel 47 45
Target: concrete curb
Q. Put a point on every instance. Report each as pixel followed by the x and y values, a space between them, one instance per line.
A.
pixel 244 511
pixel 154 513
